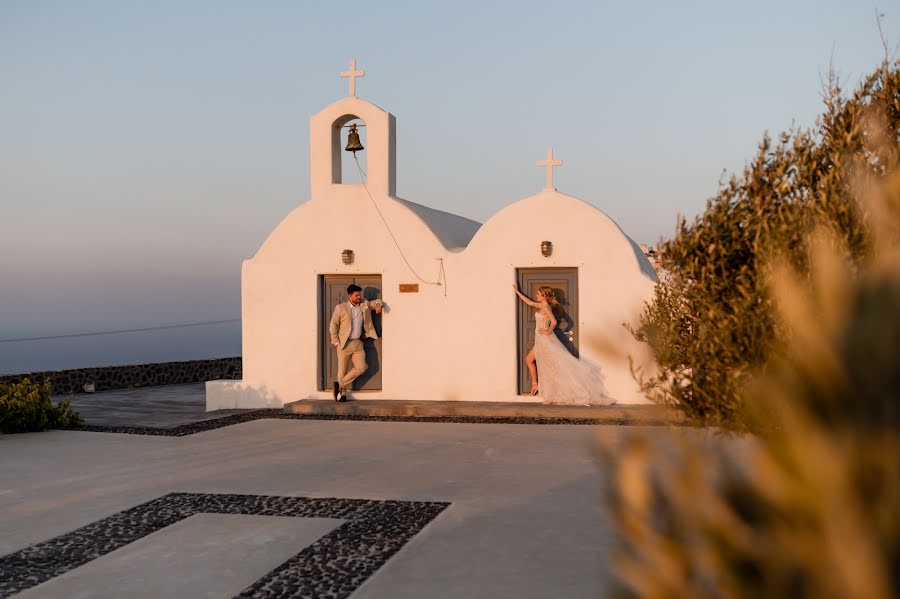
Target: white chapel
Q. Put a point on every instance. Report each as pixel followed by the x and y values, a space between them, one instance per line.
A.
pixel 452 327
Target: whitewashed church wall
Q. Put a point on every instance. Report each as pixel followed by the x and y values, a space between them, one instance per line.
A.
pixel 280 288
pixel 451 342
pixel 461 346
pixel 611 288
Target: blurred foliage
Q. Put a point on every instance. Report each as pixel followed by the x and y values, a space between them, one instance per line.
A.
pixel 26 407
pixel 809 507
pixel 712 324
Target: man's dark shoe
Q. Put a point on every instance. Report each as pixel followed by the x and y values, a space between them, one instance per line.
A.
pixel 337 390
pixel 343 397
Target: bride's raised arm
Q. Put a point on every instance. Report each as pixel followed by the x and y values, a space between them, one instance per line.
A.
pixel 525 298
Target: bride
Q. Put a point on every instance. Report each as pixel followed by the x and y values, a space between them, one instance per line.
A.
pixel 565 379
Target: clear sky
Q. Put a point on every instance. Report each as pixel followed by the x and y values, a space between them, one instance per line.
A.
pixel 146 148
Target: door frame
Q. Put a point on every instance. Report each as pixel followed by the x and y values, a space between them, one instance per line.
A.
pixel 323 384
pixel 573 301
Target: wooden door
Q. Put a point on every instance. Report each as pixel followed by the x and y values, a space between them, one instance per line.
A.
pixel 371 378
pixel 334 292
pixel 564 282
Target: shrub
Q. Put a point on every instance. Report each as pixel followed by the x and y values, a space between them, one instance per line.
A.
pixel 810 506
pixel 712 323
pixel 26 407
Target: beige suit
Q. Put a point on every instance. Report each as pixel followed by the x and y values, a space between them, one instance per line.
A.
pixel 350 350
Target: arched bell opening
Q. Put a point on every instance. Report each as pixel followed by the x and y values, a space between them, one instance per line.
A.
pixel 348 132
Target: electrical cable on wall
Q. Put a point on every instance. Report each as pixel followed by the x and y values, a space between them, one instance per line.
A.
pixel 441 273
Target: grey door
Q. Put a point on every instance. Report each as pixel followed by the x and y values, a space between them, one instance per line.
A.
pixel 334 292
pixel 564 282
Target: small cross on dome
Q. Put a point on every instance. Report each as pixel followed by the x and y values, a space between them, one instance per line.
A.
pixel 353 74
pixel 549 163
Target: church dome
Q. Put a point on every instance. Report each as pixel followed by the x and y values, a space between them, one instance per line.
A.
pixel 573 226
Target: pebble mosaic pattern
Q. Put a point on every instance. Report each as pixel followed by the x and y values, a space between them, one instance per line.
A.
pixel 277 414
pixel 107 378
pixel 334 566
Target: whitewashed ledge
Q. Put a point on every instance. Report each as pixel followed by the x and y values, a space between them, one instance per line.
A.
pixel 231 395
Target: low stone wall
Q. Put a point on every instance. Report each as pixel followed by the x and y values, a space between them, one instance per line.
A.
pixel 105 378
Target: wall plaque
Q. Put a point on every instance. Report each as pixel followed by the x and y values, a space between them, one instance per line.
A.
pixel 409 288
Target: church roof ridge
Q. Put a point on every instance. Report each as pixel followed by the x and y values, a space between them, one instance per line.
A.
pixel 452 230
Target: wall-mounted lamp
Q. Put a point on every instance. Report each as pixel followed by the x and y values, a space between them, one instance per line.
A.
pixel 347 256
pixel 546 248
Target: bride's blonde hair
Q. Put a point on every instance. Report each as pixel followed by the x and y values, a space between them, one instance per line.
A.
pixel 549 295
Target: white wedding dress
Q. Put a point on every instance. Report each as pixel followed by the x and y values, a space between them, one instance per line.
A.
pixel 563 378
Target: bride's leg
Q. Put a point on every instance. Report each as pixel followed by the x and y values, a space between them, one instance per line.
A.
pixel 532 370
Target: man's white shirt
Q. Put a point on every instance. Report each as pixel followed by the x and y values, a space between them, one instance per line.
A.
pixel 356 329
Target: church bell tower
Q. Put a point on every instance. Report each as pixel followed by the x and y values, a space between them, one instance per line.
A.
pixel 325 130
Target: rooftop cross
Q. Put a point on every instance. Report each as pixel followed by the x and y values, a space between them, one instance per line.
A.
pixel 549 163
pixel 353 74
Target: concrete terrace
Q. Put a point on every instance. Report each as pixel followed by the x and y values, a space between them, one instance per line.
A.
pixel 381 508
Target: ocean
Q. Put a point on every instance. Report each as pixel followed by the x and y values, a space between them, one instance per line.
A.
pixel 168 345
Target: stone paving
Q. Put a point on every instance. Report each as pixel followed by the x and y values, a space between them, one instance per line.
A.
pixel 421 509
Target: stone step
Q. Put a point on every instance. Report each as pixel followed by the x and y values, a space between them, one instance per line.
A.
pixel 625 414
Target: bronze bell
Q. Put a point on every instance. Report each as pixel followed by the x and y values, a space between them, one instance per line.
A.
pixel 353 143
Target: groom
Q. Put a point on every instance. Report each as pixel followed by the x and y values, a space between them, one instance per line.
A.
pixel 350 323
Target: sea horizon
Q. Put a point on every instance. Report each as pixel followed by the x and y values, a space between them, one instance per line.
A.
pixel 142 347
